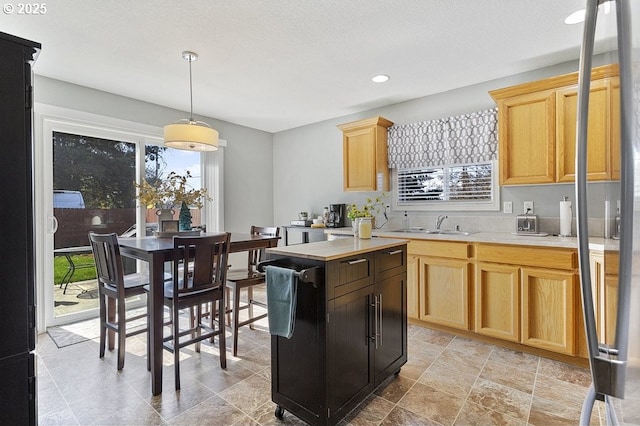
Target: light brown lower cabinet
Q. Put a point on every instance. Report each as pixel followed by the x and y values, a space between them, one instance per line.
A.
pixel 444 291
pixel 521 294
pixel 413 294
pixel 498 301
pixel 604 288
pixel 548 315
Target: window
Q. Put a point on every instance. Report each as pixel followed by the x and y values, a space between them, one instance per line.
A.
pixel 452 187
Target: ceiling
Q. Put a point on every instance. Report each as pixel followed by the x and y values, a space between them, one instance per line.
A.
pixel 279 64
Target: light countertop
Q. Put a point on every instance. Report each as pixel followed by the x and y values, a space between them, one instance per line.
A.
pixel 337 248
pixel 595 243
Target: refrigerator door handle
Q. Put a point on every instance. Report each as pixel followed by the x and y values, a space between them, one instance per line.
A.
pixel 608 374
pixel 584 85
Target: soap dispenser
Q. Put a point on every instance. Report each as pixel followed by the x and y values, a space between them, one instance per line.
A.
pixel 405 221
pixel 616 228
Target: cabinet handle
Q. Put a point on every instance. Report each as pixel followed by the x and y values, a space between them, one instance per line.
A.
pixel 391 253
pixel 380 322
pixel 356 261
pixel 375 319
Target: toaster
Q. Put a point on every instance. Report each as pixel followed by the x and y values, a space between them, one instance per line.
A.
pixel 526 224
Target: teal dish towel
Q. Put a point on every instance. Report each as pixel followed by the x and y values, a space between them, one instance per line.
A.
pixel 282 284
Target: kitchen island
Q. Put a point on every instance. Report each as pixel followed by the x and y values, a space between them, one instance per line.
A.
pixel 350 331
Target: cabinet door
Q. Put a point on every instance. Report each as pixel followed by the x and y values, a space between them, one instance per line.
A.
pixel 598 135
pixel 413 294
pixel 444 292
pixel 526 126
pixel 548 316
pixel 359 157
pixel 498 301
pixel 364 152
pixel 350 350
pixel 391 326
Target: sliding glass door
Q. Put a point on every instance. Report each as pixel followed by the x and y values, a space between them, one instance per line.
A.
pixel 85 170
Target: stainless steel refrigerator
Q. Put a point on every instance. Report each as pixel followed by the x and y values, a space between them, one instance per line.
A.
pixel 17 268
pixel 615 368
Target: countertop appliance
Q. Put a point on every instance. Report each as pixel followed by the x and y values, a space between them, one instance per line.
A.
pixel 615 369
pixel 17 275
pixel 336 215
pixel 526 224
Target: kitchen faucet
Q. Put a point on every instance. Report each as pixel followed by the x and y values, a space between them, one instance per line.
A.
pixel 439 220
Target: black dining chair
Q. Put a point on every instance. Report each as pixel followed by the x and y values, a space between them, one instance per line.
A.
pixel 114 284
pixel 247 279
pixel 199 273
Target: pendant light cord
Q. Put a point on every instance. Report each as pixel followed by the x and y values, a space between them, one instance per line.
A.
pixel 190 90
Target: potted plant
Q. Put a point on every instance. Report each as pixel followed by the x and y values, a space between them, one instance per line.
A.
pixel 370 208
pixel 170 193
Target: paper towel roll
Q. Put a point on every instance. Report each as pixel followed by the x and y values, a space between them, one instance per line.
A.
pixel 565 218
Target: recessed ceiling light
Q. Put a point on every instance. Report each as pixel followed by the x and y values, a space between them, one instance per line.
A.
pixel 380 78
pixel 578 16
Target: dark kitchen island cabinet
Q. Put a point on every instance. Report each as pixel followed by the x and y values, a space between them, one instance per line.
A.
pixel 350 330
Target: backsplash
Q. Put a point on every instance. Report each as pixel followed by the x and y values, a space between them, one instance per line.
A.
pixel 550 225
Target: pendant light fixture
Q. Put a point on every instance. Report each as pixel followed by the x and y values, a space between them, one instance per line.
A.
pixel 189 134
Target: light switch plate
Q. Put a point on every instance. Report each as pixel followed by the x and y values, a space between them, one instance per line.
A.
pixel 528 207
pixel 507 207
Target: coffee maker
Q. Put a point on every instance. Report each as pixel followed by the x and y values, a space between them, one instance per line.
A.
pixel 336 216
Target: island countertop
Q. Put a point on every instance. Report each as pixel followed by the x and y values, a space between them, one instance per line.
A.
pixel 336 249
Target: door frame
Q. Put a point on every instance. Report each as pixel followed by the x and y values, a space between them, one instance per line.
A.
pixel 49 118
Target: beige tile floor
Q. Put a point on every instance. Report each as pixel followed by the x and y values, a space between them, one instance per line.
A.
pixel 448 380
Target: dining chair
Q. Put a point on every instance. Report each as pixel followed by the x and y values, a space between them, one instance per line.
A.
pixel 113 284
pixel 247 278
pixel 199 270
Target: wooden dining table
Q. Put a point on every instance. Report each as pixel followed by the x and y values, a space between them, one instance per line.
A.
pixel 156 251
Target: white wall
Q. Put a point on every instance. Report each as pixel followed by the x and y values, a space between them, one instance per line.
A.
pixel 248 155
pixel 308 162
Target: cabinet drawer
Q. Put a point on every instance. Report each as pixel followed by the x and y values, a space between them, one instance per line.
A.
pixel 544 257
pixel 611 262
pixel 350 274
pixel 390 262
pixel 448 249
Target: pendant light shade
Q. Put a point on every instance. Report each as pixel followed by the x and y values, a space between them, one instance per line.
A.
pixel 189 134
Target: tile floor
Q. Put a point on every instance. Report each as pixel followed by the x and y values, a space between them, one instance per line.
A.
pixel 448 380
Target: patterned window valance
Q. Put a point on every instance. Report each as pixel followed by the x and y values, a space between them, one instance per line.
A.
pixel 467 138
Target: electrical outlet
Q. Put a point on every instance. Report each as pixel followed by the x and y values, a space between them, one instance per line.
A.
pixel 528 207
pixel 508 207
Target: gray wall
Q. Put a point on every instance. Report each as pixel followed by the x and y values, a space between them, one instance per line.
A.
pixel 308 162
pixel 269 178
pixel 248 166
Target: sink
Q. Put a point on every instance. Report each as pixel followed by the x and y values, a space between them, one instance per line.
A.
pixel 452 232
pixel 431 231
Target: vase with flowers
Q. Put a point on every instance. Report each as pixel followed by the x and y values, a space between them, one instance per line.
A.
pixel 369 209
pixel 170 193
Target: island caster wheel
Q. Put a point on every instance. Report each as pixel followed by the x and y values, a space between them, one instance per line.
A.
pixel 397 373
pixel 279 412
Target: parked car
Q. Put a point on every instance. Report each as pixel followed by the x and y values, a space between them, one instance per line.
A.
pixel 133 231
pixel 64 199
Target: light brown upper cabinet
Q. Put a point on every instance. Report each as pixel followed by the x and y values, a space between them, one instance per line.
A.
pixel 526 123
pixel 603 149
pixel 537 129
pixel 364 154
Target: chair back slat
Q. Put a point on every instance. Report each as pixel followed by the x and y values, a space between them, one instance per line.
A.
pixel 203 261
pixel 255 256
pixel 106 253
